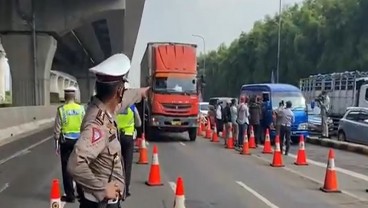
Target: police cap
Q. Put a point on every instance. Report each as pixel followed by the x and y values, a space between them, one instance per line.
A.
pixel 70 89
pixel 113 69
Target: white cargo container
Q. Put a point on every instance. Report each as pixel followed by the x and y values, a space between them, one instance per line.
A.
pixel 345 89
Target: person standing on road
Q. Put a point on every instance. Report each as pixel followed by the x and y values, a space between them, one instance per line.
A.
pixel 127 120
pixel 234 117
pixel 226 116
pixel 219 120
pixel 242 120
pixel 285 131
pixel 255 114
pixel 278 117
pixel 95 162
pixel 66 132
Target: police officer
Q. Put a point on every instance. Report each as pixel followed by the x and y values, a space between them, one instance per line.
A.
pixel 95 162
pixel 287 121
pixel 127 119
pixel 324 103
pixel 66 132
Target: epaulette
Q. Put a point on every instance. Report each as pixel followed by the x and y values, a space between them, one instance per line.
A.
pixel 100 117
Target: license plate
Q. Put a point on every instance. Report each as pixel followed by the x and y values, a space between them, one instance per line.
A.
pixel 176 123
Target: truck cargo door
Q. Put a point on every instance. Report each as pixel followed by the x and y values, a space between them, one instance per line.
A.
pixel 363 96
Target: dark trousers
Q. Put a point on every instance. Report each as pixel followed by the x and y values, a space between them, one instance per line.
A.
pixel 127 149
pixel 257 133
pixel 85 203
pixel 285 133
pixel 242 129
pixel 66 149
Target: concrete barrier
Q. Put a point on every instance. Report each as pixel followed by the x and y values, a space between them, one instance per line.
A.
pixel 347 146
pixel 19 120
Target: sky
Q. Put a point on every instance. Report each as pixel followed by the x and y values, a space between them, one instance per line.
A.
pixel 218 21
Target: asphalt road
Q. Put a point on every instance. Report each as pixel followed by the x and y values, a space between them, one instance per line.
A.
pixel 214 177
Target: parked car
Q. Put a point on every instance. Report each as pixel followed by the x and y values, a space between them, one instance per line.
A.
pixel 353 126
pixel 203 108
pixel 314 119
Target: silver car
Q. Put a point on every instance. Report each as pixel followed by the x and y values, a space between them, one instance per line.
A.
pixel 353 126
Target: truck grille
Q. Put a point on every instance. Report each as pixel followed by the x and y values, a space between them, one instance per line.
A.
pixel 176 108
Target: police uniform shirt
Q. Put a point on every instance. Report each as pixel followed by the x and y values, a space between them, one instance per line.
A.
pixel 91 160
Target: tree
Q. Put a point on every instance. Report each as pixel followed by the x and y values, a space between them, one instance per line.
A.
pixel 319 36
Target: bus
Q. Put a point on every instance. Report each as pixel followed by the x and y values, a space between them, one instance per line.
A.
pixel 277 93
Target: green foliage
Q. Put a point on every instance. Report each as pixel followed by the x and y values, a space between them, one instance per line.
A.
pixel 319 36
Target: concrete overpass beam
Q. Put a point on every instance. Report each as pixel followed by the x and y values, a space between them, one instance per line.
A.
pixel 61 87
pixel 30 86
pixel 86 86
pixel 54 83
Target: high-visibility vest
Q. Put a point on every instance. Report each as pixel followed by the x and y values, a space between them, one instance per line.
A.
pixel 71 115
pixel 125 121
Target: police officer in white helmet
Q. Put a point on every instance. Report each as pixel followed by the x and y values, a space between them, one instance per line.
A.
pixel 95 162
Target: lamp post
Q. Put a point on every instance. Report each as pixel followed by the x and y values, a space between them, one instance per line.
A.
pixel 204 51
pixel 279 44
pixel 204 63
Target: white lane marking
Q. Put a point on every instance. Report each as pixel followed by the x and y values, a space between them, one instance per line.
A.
pixel 182 143
pixel 314 180
pixel 256 194
pixel 172 186
pixel 4 187
pixel 341 170
pixel 24 151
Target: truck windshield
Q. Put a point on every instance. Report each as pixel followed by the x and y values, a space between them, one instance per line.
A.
pixel 296 98
pixel 176 85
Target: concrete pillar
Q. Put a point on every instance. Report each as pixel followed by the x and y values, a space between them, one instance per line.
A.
pixel 3 67
pixel 86 85
pixel 30 86
pixel 54 83
pixel 60 82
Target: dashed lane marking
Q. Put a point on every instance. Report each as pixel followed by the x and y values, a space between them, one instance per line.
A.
pixel 313 179
pixel 4 187
pixel 24 151
pixel 182 143
pixel 341 170
pixel 172 186
pixel 256 194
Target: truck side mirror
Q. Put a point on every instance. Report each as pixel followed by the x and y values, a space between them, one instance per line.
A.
pixel 313 104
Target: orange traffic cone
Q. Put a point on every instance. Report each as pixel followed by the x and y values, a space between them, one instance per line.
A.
pixel 179 194
pixel 330 184
pixel 55 194
pixel 214 135
pixel 301 158
pixel 277 155
pixel 208 130
pixel 230 140
pixel 267 149
pixel 199 128
pixel 154 178
pixel 245 150
pixel 143 158
pixel 252 142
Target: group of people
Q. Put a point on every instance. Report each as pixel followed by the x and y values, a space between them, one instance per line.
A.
pixel 253 113
pixel 96 145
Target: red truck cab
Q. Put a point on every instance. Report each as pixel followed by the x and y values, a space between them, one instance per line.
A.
pixel 170 69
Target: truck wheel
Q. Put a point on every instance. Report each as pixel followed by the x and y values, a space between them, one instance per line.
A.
pixel 192 134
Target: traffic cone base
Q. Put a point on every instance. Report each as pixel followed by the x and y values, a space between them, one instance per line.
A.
pixel 301 158
pixel 55 201
pixel 245 149
pixel 179 201
pixel 143 158
pixel 277 155
pixel 330 184
pixel 267 149
pixel 154 178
